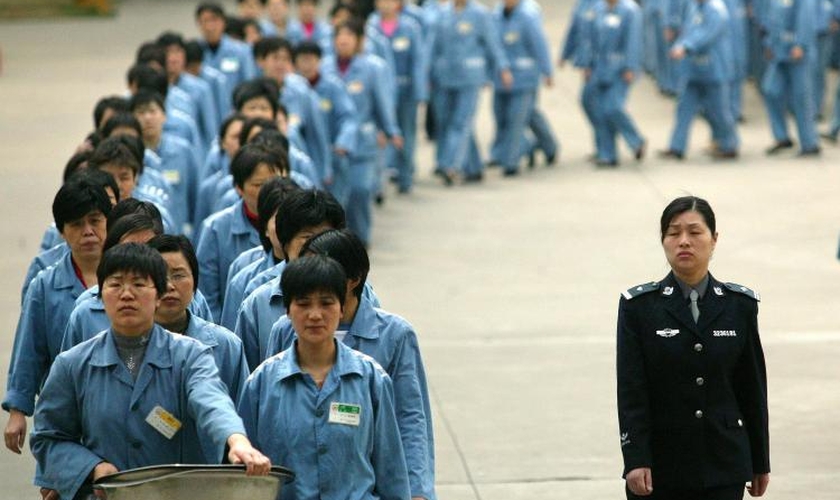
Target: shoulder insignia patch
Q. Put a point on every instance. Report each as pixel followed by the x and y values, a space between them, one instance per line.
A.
pixel 735 287
pixel 635 291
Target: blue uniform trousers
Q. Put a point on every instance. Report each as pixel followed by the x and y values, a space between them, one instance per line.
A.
pixel 360 191
pixel 666 68
pixel 611 119
pixel 543 135
pixel 587 102
pixel 340 187
pixel 512 111
pixel 454 114
pixel 818 70
pixel 403 160
pixel 788 85
pixel 713 99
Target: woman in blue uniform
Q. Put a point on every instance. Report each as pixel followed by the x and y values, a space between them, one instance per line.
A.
pixel 692 384
pixel 321 408
pixel 120 400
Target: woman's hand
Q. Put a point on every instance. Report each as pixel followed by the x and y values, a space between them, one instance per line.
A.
pixel 15 432
pixel 758 485
pixel 640 481
pixel 103 469
pixel 241 452
pixel 48 494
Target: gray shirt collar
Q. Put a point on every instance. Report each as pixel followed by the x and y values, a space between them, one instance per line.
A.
pixel 701 287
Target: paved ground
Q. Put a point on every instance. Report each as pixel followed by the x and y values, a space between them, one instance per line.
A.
pixel 513 285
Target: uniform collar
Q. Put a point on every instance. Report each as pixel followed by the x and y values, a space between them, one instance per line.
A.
pixel 201 330
pixel 276 291
pixel 65 275
pixel 686 289
pixel 365 324
pixel 710 308
pixel 347 362
pixel 157 352
pixel 240 223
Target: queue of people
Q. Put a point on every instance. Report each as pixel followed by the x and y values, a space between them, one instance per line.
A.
pixel 701 52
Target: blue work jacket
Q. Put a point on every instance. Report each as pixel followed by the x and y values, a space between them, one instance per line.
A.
pixel 237 281
pixel 42 261
pixel 790 23
pixel 523 40
pixel 705 37
pixel 205 101
pixel 322 34
pixel 298 425
pixel 233 58
pixel 92 410
pixel 615 42
pixel 406 45
pixel 339 112
pixel 179 165
pixel 392 342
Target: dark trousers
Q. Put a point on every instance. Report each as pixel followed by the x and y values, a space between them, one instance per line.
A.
pixel 731 492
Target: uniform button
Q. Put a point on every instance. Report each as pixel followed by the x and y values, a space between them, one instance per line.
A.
pixel 700 381
pixel 698 413
pixel 319 412
pixel 740 423
pixel 322 450
pixel 698 347
pixel 136 444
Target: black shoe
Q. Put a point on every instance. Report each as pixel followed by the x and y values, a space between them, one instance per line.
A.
pixel 779 147
pixel 671 154
pixel 473 178
pixel 809 152
pixel 550 161
pixel 403 190
pixel 640 151
pixel 492 164
pixel 511 173
pixel 380 199
pixel 532 160
pixel 725 155
pixel 447 176
pixel 606 163
pixel 828 136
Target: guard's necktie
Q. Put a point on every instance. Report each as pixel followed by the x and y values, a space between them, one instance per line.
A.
pixel 695 311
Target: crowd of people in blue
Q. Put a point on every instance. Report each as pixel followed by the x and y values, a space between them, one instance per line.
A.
pixel 202 294
pixel 702 53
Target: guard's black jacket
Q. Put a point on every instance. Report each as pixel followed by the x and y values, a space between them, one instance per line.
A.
pixel 692 398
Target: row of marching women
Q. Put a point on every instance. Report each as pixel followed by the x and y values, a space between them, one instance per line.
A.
pixel 202 295
pixel 702 52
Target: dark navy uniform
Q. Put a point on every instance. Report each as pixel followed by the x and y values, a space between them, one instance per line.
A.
pixel 692 397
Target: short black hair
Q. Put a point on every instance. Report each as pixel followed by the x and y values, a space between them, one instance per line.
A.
pixel 312 274
pixel 128 224
pixel 195 54
pixel 227 122
pixel 687 204
pixel 136 258
pixel 77 163
pixel 130 206
pixel 169 38
pixel 166 243
pixel 151 52
pixel 137 148
pixel 253 89
pixel 273 140
pixel 147 77
pixel 347 249
pixel 213 7
pixel 78 197
pixel 352 25
pixel 114 102
pixel 144 97
pixel 250 123
pixel 306 208
pixel 114 151
pixel 235 27
pixel 271 194
pixel 341 6
pixel 119 120
pixel 271 44
pixel 308 47
pixel 248 158
pixel 99 178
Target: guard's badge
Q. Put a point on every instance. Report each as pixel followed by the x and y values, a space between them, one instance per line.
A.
pixel 640 290
pixel 735 287
pixel 718 290
pixel 668 333
pixel 625 439
pixel 668 290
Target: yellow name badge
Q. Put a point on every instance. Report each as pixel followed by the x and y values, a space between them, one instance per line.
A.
pixel 294 120
pixel 172 176
pixel 355 87
pixel 345 414
pixel 401 44
pixel 163 422
pixel 464 27
pixel 326 105
pixel 511 37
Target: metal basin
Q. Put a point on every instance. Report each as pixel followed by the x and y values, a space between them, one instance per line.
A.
pixel 178 482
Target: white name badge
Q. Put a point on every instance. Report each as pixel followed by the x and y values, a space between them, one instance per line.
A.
pixel 464 27
pixel 172 176
pixel 355 87
pixel 163 421
pixel 229 65
pixel 294 120
pixel 612 20
pixel 511 37
pixel 345 413
pixel 401 44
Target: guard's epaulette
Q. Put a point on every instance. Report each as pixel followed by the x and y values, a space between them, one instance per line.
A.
pixel 634 292
pixel 735 287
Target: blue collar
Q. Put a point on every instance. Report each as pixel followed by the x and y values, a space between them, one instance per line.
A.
pixel 157 352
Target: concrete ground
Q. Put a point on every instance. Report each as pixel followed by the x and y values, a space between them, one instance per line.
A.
pixel 513 284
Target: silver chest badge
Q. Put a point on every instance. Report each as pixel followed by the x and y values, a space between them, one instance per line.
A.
pixel 667 333
pixel 718 290
pixel 668 290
